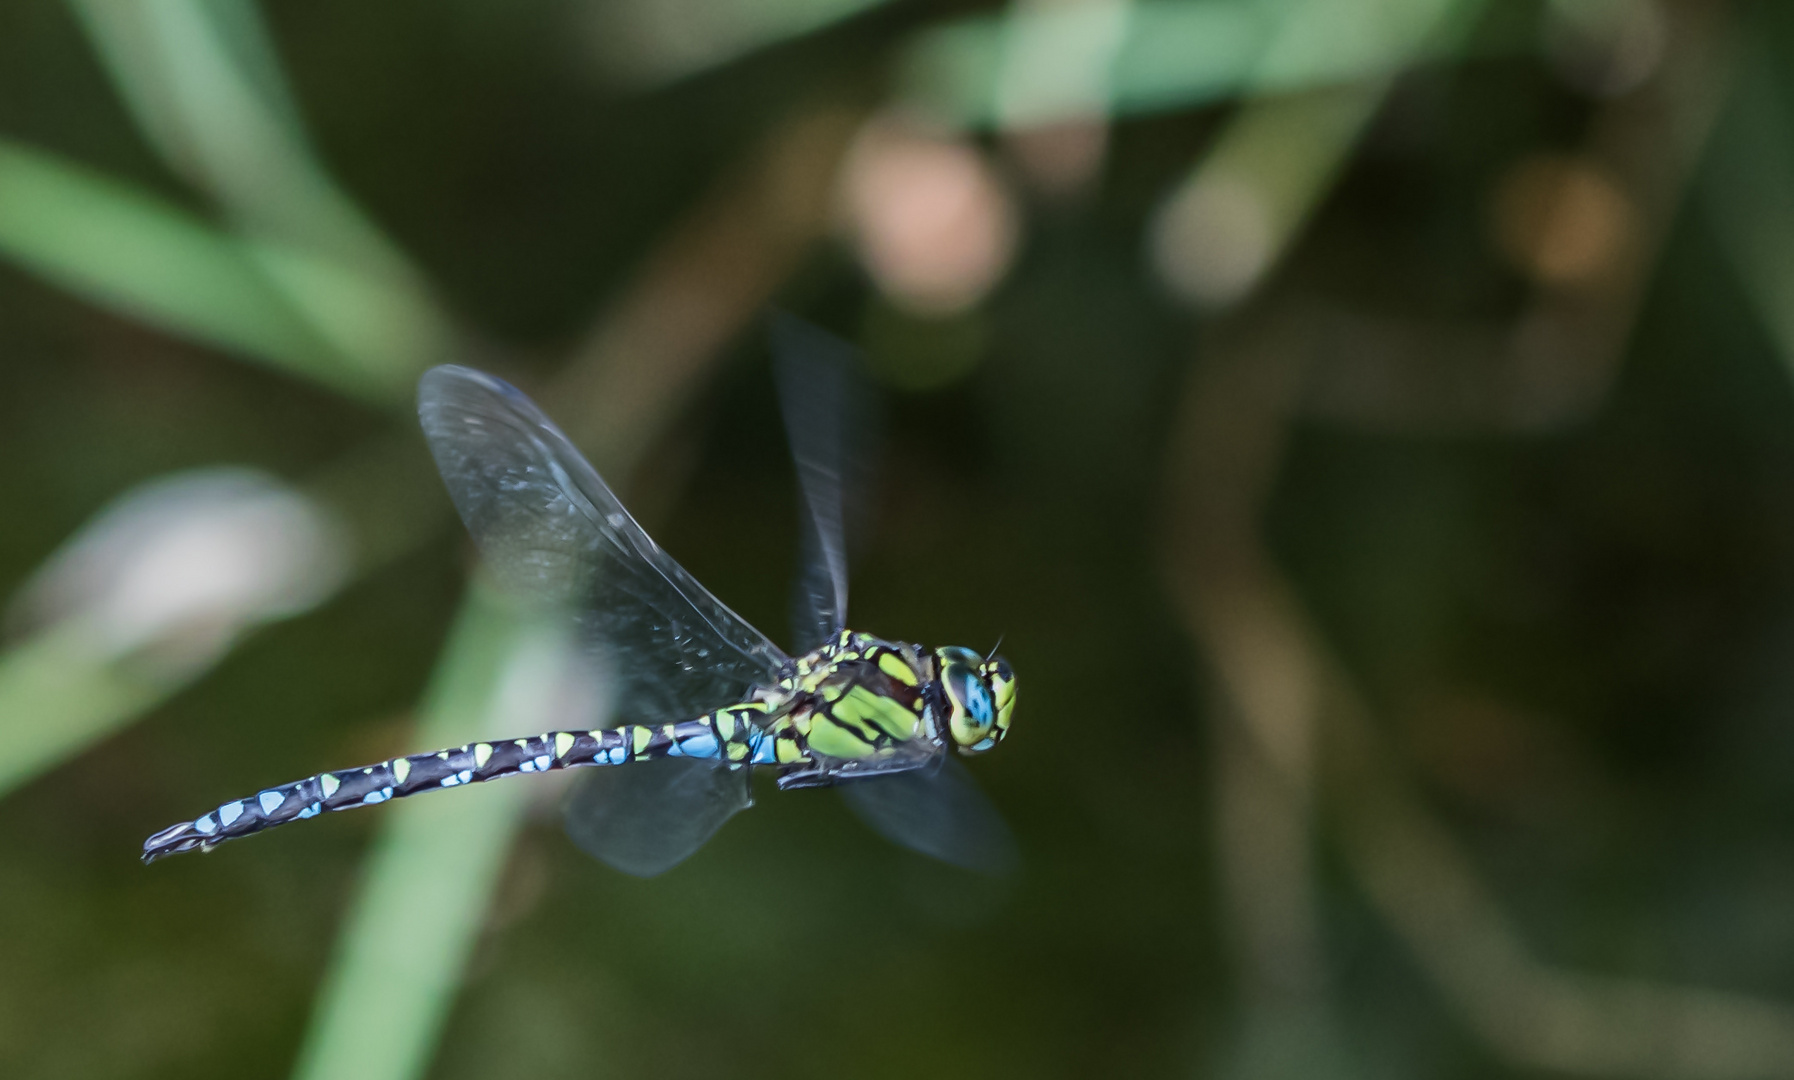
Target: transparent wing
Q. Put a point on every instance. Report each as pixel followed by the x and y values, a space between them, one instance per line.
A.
pixel 828 419
pixel 937 811
pixel 649 816
pixel 550 529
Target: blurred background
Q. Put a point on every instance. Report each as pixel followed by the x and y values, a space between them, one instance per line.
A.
pixel 1367 422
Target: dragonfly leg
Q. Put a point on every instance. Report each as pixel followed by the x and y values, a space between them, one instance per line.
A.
pixel 808 775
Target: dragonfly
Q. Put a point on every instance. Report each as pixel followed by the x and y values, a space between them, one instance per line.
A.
pixel 707 698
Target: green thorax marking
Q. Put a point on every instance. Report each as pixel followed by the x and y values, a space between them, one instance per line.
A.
pixel 858 698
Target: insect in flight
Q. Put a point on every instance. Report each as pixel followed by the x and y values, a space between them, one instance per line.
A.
pixel 704 696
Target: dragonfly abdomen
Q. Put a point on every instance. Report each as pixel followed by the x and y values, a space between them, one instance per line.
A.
pixel 729 734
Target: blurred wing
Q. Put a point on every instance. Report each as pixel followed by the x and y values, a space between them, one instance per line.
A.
pixel 550 529
pixel 827 418
pixel 937 811
pixel 649 816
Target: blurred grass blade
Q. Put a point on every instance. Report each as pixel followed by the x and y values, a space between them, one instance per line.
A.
pixel 245 36
pixel 1318 42
pixel 425 889
pixel 1172 54
pixel 133 41
pixel 432 871
pixel 1749 193
pixel 1059 60
pixel 390 339
pixel 59 694
pixel 202 81
pixel 1245 202
pixel 150 594
pixel 140 256
pixel 401 956
pixel 654 41
pixel 87 672
pixel 213 104
pixel 1231 221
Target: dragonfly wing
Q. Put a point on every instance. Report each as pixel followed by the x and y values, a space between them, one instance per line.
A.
pixel 649 817
pixel 551 529
pixel 828 419
pixel 938 811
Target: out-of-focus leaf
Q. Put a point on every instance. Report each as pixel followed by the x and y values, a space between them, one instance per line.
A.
pixel 59 693
pixel 1749 194
pixel 112 624
pixel 134 253
pixel 203 83
pixel 397 965
pixel 1172 54
pixel 358 310
pixel 981 71
pixel 428 880
pixel 653 41
pixel 134 42
pixel 148 596
pixel 1247 199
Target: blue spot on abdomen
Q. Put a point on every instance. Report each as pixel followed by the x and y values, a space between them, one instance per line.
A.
pixel 699 746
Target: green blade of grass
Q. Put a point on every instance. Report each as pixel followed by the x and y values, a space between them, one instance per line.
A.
pixel 383 1005
pixel 65 688
pixel 646 42
pixel 432 871
pixel 1278 156
pixel 140 256
pixel 1748 193
pixel 1171 54
pixel 203 83
pixel 59 695
pixel 151 593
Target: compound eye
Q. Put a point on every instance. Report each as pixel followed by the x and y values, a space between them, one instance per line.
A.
pixel 973 709
pixel 1001 680
pixel 980 710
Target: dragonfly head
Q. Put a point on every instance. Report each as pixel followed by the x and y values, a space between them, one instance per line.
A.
pixel 980 697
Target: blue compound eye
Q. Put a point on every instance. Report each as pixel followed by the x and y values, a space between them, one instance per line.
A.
pixel 973 711
pixel 977 699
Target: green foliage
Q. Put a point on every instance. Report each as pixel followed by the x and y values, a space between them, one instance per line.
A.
pixel 130 251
